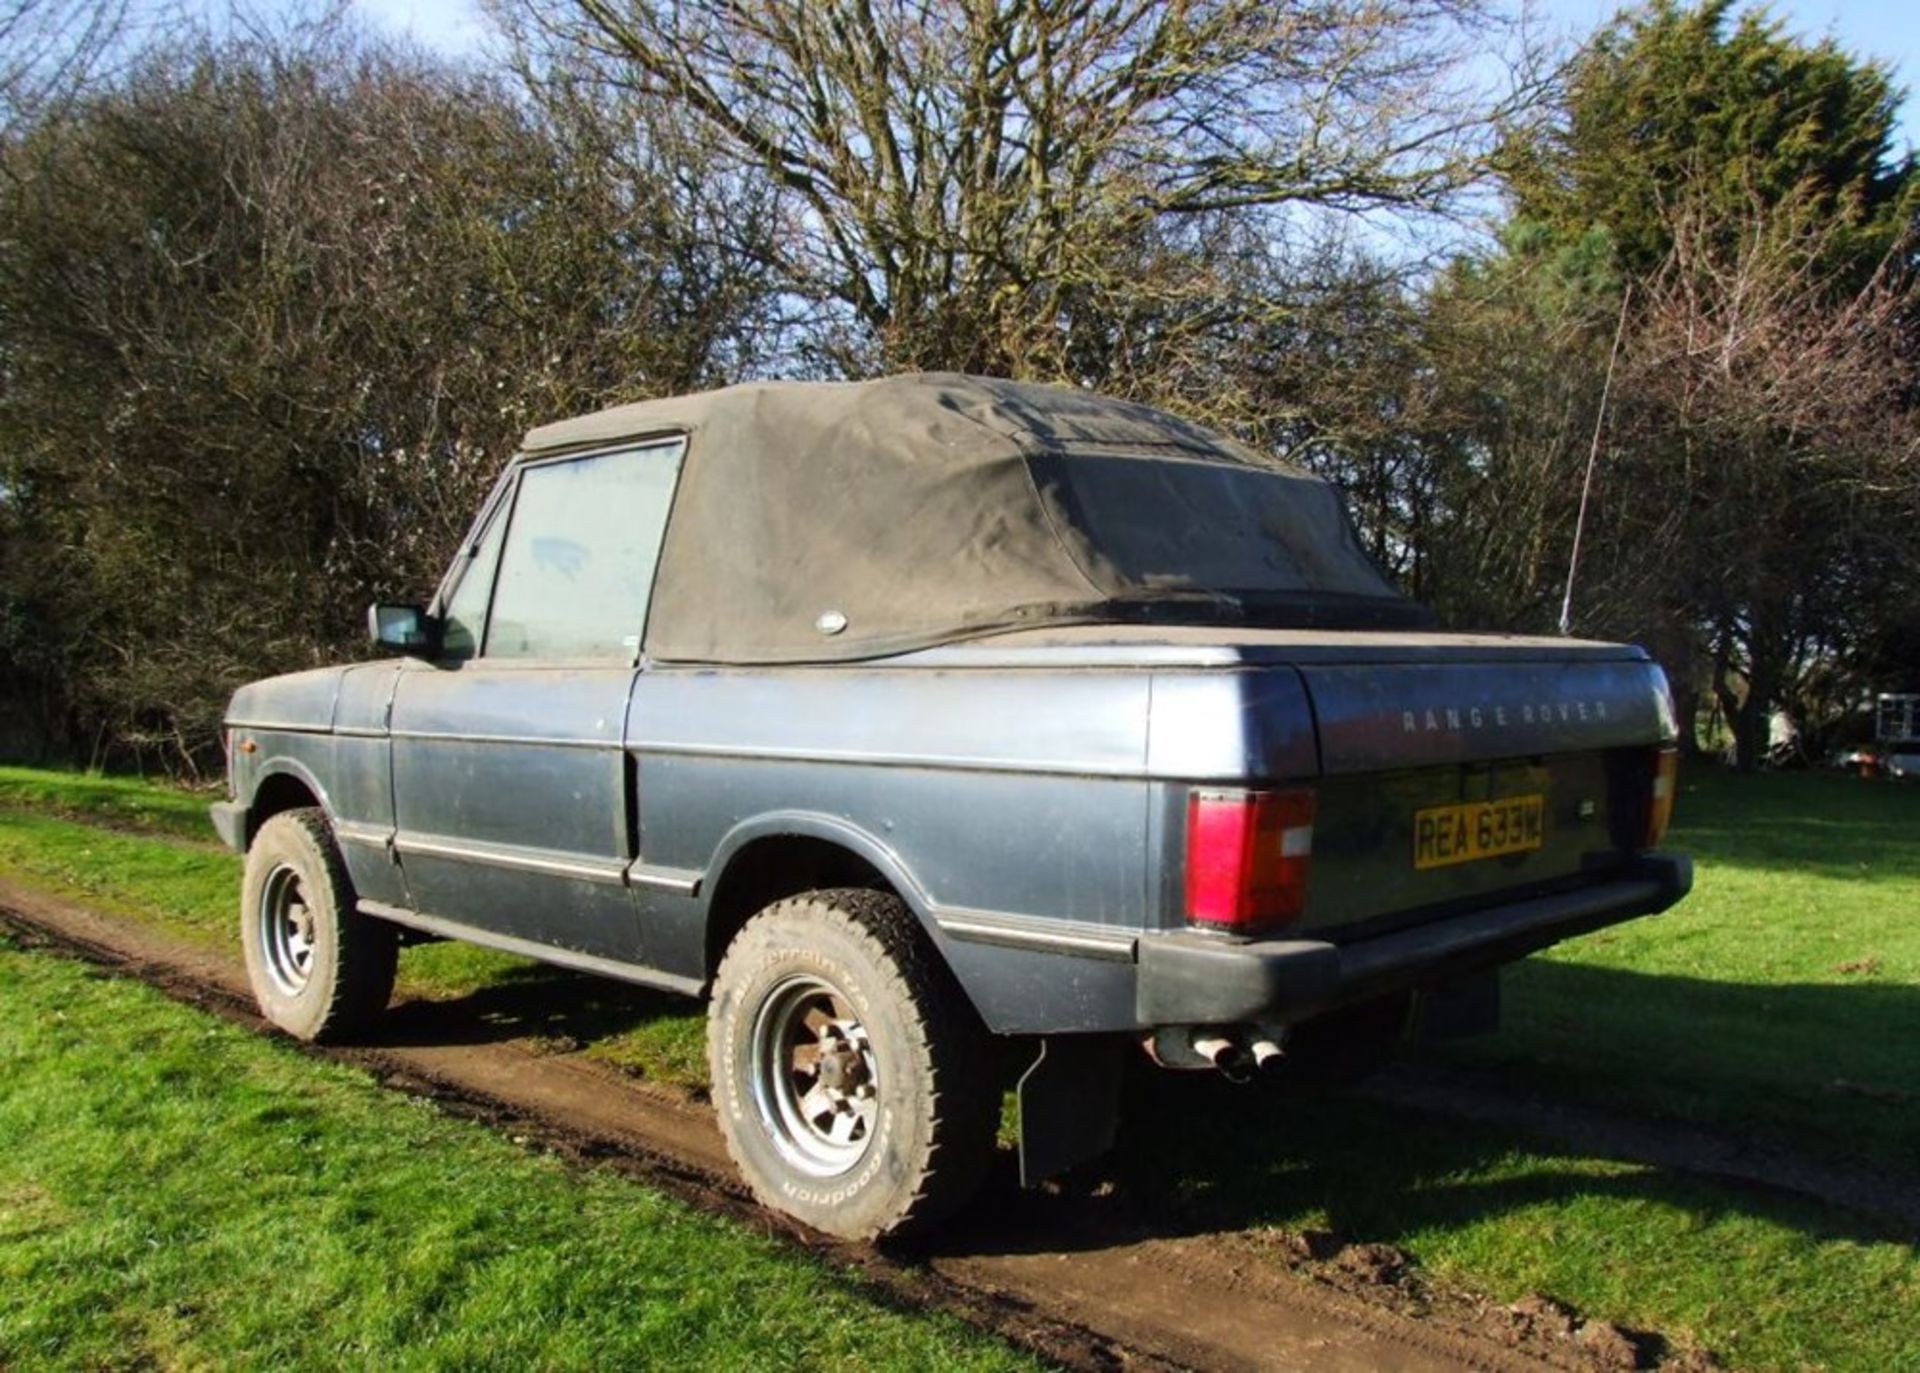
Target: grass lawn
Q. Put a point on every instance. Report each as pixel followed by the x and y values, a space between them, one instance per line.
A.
pixel 147 851
pixel 1783 999
pixel 129 801
pixel 176 1192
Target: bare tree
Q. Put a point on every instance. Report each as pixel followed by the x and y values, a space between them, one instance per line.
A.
pixel 51 48
pixel 272 313
pixel 1757 485
pixel 965 180
pixel 1770 467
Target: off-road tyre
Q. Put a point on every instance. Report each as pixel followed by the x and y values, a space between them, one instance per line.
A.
pixel 335 983
pixel 936 1098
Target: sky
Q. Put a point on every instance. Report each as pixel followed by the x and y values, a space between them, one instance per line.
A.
pixel 449 26
pixel 1884 29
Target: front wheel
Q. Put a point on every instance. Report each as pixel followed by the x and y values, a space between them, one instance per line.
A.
pixel 855 1086
pixel 319 968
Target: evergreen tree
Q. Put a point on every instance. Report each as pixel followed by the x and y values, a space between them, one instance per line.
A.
pixel 1671 99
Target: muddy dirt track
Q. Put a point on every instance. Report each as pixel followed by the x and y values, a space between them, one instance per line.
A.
pixel 1078 1279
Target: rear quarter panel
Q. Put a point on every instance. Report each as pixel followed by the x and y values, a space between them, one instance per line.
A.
pixel 1009 806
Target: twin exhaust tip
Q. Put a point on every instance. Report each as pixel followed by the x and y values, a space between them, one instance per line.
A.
pixel 1238 1059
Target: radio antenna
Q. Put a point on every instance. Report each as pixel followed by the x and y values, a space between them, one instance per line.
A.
pixel 1593 457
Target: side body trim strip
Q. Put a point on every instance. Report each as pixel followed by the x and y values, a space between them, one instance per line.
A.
pixel 680 881
pixel 1031 932
pixel 358 832
pixel 528 740
pixel 947 762
pixel 527 948
pixel 609 870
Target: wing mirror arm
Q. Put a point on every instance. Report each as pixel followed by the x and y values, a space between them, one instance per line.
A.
pixel 405 629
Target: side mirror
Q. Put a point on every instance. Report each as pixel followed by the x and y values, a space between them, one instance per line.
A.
pixel 404 627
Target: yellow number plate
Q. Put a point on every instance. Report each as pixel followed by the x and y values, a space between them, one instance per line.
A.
pixel 1445 835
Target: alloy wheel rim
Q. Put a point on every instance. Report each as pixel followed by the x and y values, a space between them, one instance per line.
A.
pixel 814 1076
pixel 286 928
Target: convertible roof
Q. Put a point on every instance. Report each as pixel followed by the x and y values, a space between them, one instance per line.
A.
pixel 827 521
pixel 938 412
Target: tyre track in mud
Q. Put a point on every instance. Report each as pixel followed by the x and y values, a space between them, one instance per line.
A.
pixel 1077 1281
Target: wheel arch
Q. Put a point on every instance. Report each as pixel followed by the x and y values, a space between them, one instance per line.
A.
pixel 283 784
pixel 1069 1110
pixel 784 853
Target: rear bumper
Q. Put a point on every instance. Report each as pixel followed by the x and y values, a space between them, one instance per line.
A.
pixel 230 821
pixel 1190 978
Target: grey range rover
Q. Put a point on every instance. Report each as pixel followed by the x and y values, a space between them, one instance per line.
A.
pixel 947 735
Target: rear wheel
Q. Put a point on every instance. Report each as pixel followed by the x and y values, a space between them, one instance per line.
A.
pixel 320 969
pixel 854 1084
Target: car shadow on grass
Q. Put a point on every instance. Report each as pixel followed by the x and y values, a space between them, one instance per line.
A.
pixel 543 1006
pixel 1831 1069
pixel 1808 1080
pixel 1201 1158
pixel 1668 1057
pixel 1200 1155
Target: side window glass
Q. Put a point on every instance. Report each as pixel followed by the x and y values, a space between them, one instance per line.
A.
pixel 466 611
pixel 580 553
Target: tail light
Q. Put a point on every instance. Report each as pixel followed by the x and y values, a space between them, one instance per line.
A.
pixel 1666 772
pixel 1247 858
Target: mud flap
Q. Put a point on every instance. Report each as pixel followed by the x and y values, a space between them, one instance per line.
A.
pixel 1069 1104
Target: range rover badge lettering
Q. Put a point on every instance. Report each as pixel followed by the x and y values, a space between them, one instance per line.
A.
pixel 1467 719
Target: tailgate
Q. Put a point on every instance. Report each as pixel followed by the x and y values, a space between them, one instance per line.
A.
pixel 1449 783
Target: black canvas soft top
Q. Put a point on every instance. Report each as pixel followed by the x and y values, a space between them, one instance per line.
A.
pixel 831 521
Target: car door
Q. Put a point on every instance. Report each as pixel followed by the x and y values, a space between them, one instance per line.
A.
pixel 514 813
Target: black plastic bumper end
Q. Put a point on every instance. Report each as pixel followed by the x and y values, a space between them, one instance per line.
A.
pixel 1191 978
pixel 230 821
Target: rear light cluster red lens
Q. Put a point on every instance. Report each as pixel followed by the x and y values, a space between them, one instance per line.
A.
pixel 1247 858
pixel 1666 776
